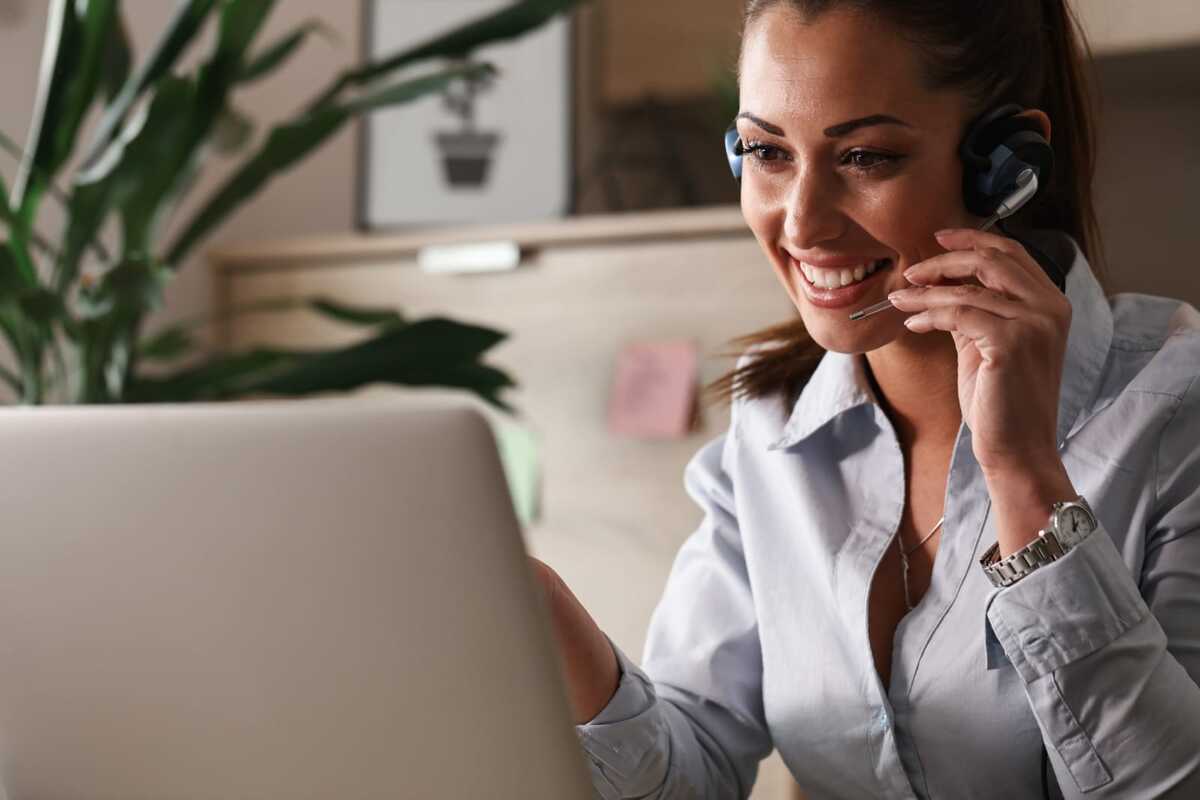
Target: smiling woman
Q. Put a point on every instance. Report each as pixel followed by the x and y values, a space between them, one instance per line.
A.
pixel 912 578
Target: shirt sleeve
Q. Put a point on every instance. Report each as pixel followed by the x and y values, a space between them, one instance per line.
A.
pixel 1110 664
pixel 689 723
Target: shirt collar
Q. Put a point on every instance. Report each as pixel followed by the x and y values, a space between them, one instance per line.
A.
pixel 840 382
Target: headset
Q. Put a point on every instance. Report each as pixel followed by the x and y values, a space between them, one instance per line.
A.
pixel 1006 160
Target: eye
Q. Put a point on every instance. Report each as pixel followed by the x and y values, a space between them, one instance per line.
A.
pixel 867 160
pixel 763 153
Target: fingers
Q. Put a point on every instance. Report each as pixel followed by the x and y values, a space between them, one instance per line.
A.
pixel 980 326
pixel 991 269
pixel 928 298
pixel 1011 285
pixel 972 239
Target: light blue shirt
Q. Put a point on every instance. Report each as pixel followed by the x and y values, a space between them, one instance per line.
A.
pixel 760 639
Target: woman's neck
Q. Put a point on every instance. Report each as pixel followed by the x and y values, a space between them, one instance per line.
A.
pixel 916 377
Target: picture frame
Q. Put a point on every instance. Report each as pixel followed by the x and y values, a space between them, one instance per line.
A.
pixel 495 152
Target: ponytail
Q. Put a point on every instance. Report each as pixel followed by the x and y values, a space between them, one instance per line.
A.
pixel 1068 99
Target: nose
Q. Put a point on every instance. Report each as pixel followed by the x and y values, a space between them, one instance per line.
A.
pixel 811 213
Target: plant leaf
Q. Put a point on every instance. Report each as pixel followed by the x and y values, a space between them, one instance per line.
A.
pixel 356 315
pixel 75 49
pixel 415 353
pixel 41 306
pixel 276 54
pixel 87 207
pixel 155 163
pixel 118 59
pixel 431 352
pixel 289 142
pixel 181 30
pixel 11 147
pixel 177 143
pixel 130 176
pixel 508 23
pixel 18 244
pixel 12 282
pixel 168 344
pixel 125 292
pixel 232 131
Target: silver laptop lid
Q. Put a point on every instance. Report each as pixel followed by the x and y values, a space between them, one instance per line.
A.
pixel 280 600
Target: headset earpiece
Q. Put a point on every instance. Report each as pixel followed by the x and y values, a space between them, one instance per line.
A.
pixel 734 150
pixel 998 147
pixel 1006 161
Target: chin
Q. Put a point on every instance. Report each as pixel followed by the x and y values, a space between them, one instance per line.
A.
pixel 852 336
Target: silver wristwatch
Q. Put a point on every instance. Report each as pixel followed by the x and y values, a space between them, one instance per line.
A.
pixel 1070 523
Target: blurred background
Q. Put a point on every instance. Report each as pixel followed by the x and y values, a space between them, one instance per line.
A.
pixel 619 267
pixel 645 120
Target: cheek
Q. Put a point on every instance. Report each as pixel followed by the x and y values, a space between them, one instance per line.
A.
pixel 914 205
pixel 903 214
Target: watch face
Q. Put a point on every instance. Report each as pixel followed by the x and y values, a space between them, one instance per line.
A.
pixel 1074 522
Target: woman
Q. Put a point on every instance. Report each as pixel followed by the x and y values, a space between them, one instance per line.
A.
pixel 832 603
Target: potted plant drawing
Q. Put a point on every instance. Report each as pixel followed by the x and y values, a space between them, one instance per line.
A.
pixel 466 152
pixel 74 306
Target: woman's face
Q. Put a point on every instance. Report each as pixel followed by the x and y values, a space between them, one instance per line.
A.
pixel 853 163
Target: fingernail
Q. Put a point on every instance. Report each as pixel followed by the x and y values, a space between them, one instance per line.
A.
pixel 896 295
pixel 908 273
pixel 943 232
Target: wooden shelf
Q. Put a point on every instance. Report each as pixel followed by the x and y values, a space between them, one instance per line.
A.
pixel 706 222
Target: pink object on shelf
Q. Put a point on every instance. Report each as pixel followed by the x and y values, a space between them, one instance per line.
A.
pixel 654 393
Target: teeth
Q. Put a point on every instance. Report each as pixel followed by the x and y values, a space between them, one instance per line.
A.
pixel 836 278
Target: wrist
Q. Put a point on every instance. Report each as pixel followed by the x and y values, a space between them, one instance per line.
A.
pixel 1022 500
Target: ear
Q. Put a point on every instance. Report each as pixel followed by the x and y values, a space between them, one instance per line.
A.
pixel 1041 118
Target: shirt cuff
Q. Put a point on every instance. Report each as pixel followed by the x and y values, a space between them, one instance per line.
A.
pixel 633 695
pixel 626 743
pixel 1064 610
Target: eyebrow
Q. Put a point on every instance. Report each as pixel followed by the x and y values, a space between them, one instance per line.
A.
pixel 834 131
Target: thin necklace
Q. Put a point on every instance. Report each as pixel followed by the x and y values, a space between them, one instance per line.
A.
pixel 904 558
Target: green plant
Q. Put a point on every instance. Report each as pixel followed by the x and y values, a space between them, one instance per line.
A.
pixel 72 311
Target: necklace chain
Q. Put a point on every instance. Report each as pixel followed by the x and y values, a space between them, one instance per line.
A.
pixel 904 553
pixel 924 539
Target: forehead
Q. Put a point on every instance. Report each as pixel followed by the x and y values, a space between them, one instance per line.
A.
pixel 841 65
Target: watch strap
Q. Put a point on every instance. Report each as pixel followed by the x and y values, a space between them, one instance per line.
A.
pixel 1010 569
pixel 1049 546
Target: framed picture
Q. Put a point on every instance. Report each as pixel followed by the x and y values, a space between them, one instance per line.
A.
pixel 496 151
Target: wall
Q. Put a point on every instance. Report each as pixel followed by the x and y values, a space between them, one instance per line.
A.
pixel 1149 168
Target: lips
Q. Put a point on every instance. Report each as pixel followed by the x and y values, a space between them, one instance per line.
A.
pixel 839 296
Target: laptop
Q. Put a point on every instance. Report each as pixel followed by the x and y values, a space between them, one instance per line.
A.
pixel 299 599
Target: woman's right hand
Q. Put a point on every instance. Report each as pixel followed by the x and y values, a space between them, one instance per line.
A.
pixel 588 660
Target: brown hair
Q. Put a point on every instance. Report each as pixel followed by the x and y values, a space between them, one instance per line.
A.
pixel 1030 52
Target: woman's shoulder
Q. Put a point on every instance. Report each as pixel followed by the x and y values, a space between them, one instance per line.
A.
pixel 1147 399
pixel 1155 345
